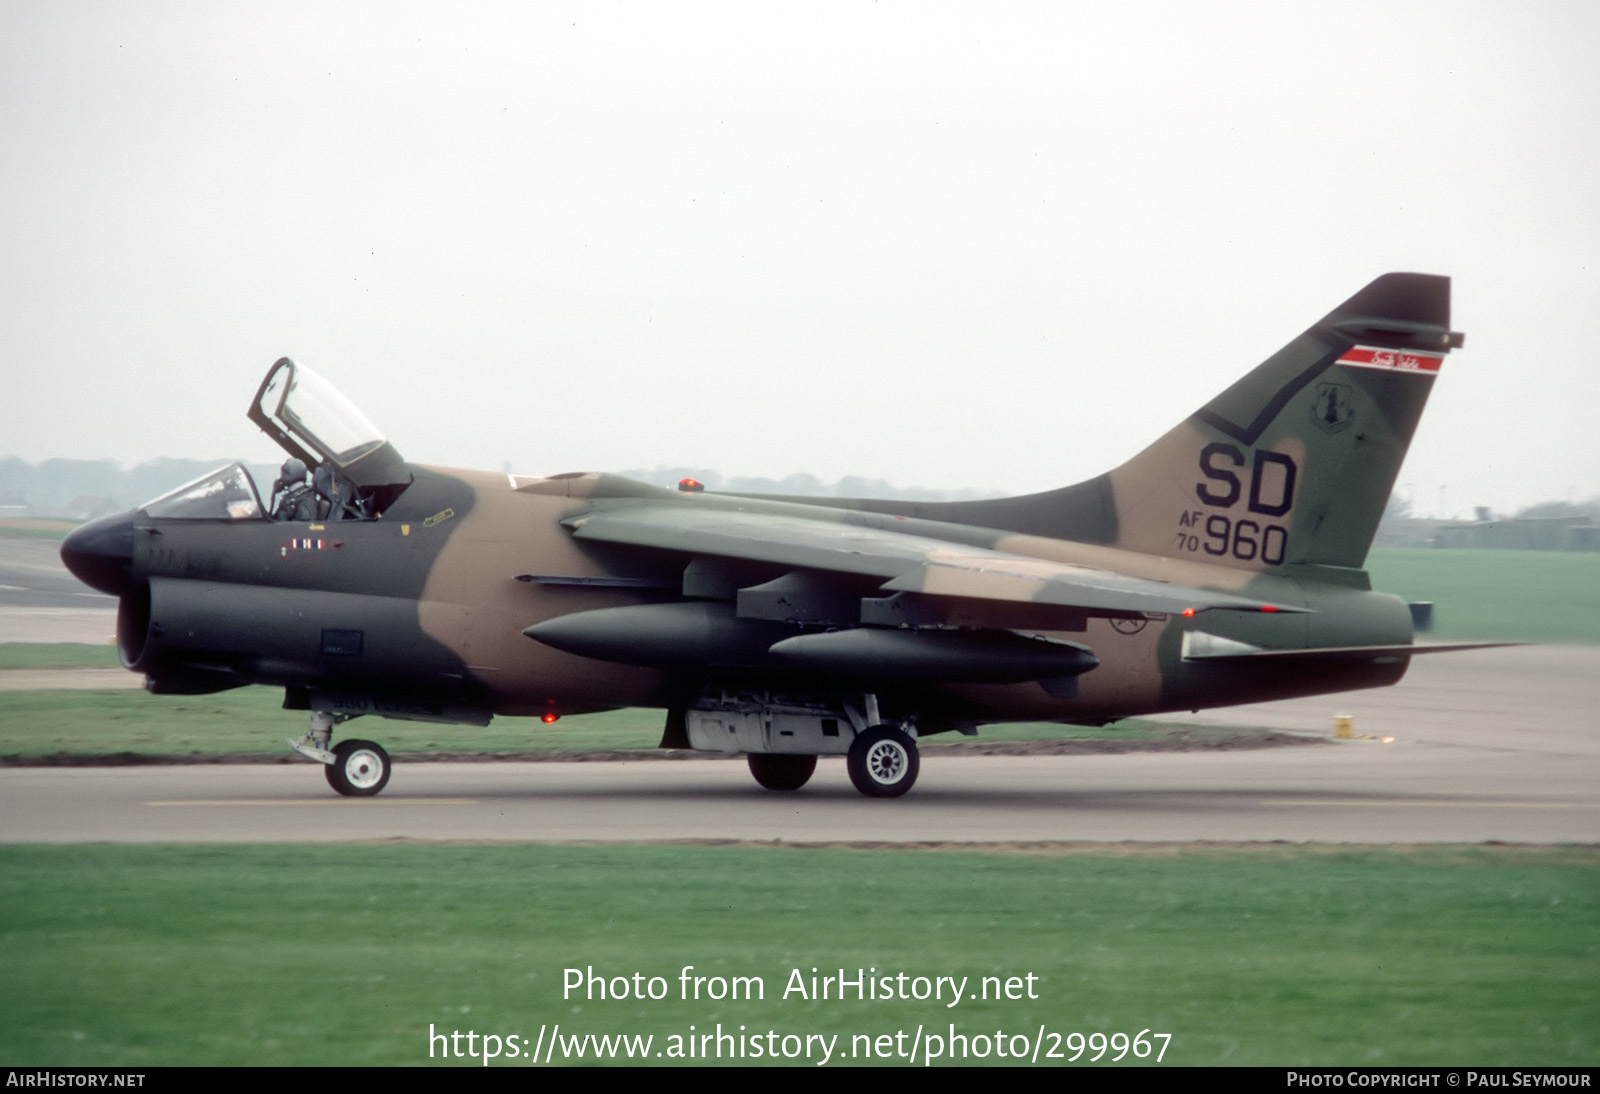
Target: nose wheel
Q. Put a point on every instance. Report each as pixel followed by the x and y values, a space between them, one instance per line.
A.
pixel 360 769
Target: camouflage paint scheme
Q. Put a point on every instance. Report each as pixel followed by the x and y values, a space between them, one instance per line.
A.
pixel 1221 565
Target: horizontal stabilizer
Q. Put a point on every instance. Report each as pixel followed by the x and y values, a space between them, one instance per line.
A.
pixel 1199 646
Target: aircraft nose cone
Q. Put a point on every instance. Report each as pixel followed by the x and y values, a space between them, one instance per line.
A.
pixel 100 553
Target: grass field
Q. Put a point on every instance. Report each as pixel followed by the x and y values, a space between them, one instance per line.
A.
pixel 57 655
pixel 145 955
pixel 1513 596
pixel 36 528
pixel 252 721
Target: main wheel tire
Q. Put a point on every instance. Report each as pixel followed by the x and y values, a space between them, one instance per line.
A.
pixel 883 762
pixel 360 769
pixel 780 771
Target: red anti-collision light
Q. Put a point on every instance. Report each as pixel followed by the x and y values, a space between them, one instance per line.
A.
pixel 548 716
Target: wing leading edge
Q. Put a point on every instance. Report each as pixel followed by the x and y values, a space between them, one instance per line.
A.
pixel 907 562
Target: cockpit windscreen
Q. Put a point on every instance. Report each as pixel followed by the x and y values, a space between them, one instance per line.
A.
pixel 224 494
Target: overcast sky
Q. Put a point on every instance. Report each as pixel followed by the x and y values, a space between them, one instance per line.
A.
pixel 948 245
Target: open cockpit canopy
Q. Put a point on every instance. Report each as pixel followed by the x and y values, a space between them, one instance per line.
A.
pixel 313 422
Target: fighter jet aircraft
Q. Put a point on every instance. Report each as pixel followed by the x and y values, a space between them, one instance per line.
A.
pixel 1221 565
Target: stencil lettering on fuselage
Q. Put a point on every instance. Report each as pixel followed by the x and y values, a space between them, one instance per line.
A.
pixel 1247 495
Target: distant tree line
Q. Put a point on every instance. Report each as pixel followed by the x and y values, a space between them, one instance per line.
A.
pixel 85 489
pixel 850 486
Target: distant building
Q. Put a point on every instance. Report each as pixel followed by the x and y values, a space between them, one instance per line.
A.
pixel 1408 532
pixel 1576 533
pixel 86 507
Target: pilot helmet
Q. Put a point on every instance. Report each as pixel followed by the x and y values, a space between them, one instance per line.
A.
pixel 294 471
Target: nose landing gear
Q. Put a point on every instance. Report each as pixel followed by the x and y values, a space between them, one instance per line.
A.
pixel 355 768
pixel 360 769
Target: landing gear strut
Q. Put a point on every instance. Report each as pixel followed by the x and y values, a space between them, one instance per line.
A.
pixel 314 745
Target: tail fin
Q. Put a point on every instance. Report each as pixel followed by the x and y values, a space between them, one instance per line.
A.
pixel 1291 465
pixel 1294 463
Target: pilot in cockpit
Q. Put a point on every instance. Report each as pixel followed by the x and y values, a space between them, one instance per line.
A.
pixel 320 495
pixel 293 498
pixel 339 496
pixel 341 467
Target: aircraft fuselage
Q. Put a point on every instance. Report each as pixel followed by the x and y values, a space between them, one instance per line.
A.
pixel 421 613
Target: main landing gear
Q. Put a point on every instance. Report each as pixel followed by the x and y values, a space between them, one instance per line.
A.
pixel 783 734
pixel 883 762
pixel 777 771
pixel 355 768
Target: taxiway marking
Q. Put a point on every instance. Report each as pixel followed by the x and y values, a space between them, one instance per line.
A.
pixel 311 801
pixel 1464 804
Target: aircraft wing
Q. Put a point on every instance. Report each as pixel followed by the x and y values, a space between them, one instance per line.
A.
pixel 907 562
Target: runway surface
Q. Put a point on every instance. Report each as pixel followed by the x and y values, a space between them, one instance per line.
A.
pixel 1490 745
pixel 41 602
